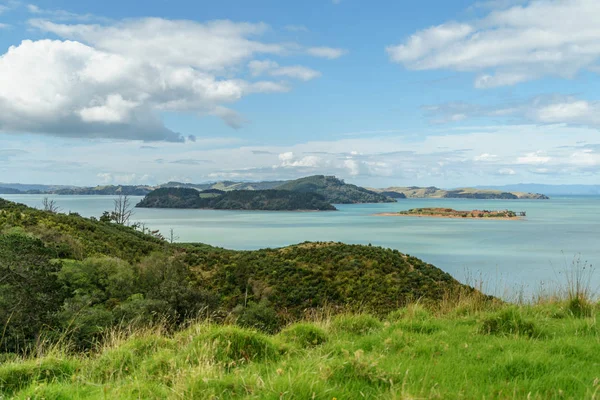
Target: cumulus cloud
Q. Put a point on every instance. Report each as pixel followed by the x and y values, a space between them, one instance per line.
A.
pixel 113 80
pixel 510 45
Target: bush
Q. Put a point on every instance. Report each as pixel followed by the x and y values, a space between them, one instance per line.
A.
pixel 509 322
pixel 304 335
pixel 359 324
pixel 258 316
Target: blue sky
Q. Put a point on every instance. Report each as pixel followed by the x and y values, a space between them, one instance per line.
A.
pixel 380 93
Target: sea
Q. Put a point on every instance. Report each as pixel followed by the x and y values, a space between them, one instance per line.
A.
pixel 513 259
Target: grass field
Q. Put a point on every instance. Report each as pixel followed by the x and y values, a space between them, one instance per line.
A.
pixel 465 350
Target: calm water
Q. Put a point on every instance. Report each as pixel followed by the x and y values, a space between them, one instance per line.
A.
pixel 509 255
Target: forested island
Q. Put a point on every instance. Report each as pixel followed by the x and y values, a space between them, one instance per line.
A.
pixel 259 200
pixel 438 212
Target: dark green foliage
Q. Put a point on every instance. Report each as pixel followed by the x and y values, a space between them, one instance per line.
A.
pixel 268 200
pixel 312 275
pixel 304 334
pixel 509 322
pixel 75 278
pixel 335 190
pixel 76 237
pixel 30 294
pixel 258 316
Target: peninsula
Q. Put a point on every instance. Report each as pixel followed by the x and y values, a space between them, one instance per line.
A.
pixel 256 200
pixel 416 192
pixel 451 213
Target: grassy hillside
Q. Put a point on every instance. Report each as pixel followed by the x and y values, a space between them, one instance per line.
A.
pixel 462 193
pixel 74 278
pixel 267 200
pixel 335 190
pixel 464 351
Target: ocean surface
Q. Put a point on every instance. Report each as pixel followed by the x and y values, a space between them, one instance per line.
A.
pixel 512 258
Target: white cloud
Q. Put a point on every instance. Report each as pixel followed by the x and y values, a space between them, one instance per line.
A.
pixel 112 80
pixel 485 157
pixel 4 26
pixel 326 52
pixel 210 46
pixel 534 158
pixel 507 171
pixel 548 109
pixel 272 68
pixel 510 45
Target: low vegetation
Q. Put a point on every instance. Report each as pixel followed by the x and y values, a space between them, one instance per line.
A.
pixel 458 351
pixel 95 309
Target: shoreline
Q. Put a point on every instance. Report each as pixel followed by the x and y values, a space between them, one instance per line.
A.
pixel 397 214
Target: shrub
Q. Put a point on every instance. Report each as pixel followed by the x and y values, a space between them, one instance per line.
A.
pixel 509 322
pixel 359 324
pixel 304 335
pixel 258 316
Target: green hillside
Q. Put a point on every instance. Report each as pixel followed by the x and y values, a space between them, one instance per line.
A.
pixel 335 190
pixel 266 200
pixel 74 277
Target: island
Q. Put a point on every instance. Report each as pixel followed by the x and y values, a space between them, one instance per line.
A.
pixel 416 192
pixel 439 212
pixel 255 200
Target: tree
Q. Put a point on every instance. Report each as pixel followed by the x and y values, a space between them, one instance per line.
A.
pixel 123 210
pixel 172 237
pixel 50 205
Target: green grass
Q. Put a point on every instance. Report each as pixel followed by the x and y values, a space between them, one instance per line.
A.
pixel 502 352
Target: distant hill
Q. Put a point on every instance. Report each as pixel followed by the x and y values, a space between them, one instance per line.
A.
pixel 335 190
pixel 549 189
pixel 33 187
pixel 106 190
pixel 4 190
pixel 462 193
pixel 268 200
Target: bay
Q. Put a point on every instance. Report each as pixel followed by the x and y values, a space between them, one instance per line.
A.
pixel 512 258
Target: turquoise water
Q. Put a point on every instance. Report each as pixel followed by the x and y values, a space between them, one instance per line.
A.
pixel 510 256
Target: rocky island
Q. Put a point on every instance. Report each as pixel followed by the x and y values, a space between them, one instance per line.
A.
pixel 256 200
pixel 451 213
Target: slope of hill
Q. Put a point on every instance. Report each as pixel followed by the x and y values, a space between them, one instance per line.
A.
pixel 461 193
pixel 68 273
pixel 110 190
pixel 267 200
pixel 334 190
pixel 557 190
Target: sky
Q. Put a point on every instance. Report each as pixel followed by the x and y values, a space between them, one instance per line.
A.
pixel 379 93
